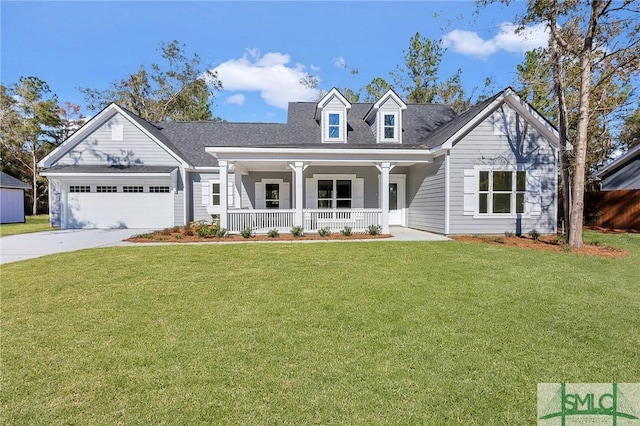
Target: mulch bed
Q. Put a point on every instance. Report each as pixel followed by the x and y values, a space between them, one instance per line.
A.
pixel 547 243
pixel 180 237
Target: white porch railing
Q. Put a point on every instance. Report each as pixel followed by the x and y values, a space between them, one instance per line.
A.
pixel 358 220
pixel 260 221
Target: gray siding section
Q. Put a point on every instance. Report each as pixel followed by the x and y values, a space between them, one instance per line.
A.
pixel 198 211
pixel 136 148
pixel 249 186
pixel 369 174
pixel 482 146
pixel 627 177
pixel 425 196
pixel 178 203
pixel 55 202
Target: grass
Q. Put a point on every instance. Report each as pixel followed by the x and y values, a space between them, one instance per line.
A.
pixel 33 224
pixel 353 333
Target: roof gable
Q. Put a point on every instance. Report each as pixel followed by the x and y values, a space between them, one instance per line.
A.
pixel 98 121
pixel 446 135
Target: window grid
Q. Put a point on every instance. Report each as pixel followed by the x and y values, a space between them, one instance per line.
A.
pixel 132 189
pixel 215 194
pixel 157 189
pixel 334 126
pixel 79 188
pixel 106 188
pixel 389 126
pixel 501 192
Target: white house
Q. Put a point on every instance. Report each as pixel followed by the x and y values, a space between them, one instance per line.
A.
pixel 490 169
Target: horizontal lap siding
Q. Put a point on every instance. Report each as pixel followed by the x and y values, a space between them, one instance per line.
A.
pixel 136 148
pixel 178 202
pixel 482 147
pixel 425 196
pixel 199 212
pixel 368 173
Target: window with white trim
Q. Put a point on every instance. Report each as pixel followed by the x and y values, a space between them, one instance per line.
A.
pixel 106 188
pixel 215 194
pixel 129 189
pixel 334 126
pixel 501 192
pixel 272 195
pixel 79 188
pixel 334 193
pixel 159 189
pixel 390 127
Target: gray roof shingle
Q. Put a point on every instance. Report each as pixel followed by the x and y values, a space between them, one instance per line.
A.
pixel 8 181
pixel 423 126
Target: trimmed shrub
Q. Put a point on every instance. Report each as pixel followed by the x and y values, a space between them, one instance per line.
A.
pixel 324 232
pixel 273 233
pixel 346 231
pixel 246 233
pixel 374 229
pixel 297 231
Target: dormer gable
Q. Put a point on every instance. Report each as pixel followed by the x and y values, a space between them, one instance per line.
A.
pixel 331 113
pixel 385 118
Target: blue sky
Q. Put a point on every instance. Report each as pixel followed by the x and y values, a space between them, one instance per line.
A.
pixel 260 49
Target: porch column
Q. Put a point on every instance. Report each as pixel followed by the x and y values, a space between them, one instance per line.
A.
pixel 224 188
pixel 298 169
pixel 384 196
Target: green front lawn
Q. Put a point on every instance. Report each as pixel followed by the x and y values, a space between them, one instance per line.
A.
pixel 33 224
pixel 335 333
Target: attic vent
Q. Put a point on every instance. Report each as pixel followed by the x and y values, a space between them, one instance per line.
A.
pixel 117 132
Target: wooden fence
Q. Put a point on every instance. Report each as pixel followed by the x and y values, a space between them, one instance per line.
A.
pixel 613 209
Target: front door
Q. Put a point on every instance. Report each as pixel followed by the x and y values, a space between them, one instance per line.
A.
pixel 397 200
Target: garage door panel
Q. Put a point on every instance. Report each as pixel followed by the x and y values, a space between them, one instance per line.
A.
pixel 119 210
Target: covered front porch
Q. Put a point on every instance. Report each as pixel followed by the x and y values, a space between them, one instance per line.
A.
pixel 277 188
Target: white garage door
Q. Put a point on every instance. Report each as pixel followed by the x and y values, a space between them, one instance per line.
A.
pixel 119 210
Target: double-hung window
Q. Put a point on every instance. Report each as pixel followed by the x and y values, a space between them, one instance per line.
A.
pixel 501 192
pixel 390 127
pixel 334 126
pixel 215 194
pixel 334 193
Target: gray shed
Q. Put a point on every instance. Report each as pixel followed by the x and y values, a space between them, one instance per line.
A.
pixel 11 199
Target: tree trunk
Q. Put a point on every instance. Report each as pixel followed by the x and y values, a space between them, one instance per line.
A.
pixel 577 201
pixel 34 177
pixel 559 89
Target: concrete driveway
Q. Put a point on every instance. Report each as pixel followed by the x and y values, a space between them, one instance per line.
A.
pixel 28 246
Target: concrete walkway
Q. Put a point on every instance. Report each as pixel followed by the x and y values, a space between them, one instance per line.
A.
pixel 28 246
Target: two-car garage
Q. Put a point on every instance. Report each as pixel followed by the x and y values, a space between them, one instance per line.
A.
pixel 136 197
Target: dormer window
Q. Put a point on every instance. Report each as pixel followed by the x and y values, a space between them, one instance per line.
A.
pixel 334 126
pixel 331 114
pixel 385 118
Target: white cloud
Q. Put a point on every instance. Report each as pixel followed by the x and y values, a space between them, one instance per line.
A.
pixel 471 44
pixel 235 99
pixel 270 74
pixel 339 62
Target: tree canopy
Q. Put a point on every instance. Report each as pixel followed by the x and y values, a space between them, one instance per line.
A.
pixel 177 90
